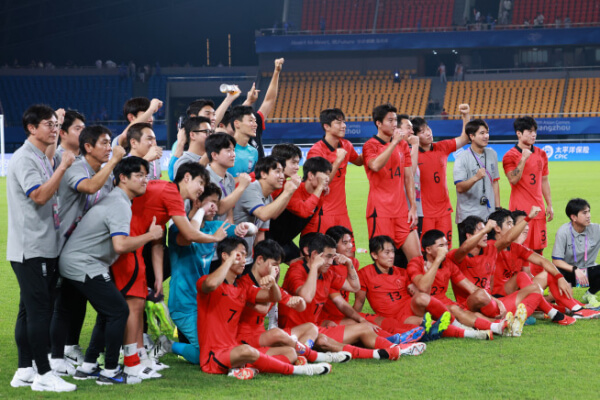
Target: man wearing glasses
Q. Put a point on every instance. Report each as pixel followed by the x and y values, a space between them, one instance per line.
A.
pixel 197 129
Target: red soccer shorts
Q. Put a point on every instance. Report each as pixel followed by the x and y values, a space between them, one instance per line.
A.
pixel 510 302
pixel 443 224
pixel 335 332
pixel 537 237
pixel 396 228
pixel 219 362
pixel 129 272
pixel 250 338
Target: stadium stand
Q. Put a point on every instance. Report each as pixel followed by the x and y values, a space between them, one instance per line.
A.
pixel 583 97
pixel 414 13
pixel 540 97
pixel 88 94
pixel 338 14
pixel 305 94
pixel 580 11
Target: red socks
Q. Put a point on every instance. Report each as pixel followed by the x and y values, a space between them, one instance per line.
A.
pixel 491 309
pixel 436 308
pixel 357 352
pixel 523 280
pixel 273 365
pixel 482 324
pixel 381 343
pixel 454 331
pixel 560 299
pixel 310 355
pixel 532 302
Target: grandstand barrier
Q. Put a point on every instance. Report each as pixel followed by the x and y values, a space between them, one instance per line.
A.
pixel 431 40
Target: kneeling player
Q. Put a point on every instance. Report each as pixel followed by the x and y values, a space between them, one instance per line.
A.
pixel 221 300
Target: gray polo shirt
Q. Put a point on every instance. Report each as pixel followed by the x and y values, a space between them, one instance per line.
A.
pixel 566 237
pixel 417 179
pixel 32 229
pixel 227 185
pixel 186 157
pixel 72 205
pixel 89 251
pixel 251 199
pixel 465 167
pixel 58 156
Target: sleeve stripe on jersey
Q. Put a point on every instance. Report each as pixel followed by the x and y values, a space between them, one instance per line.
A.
pixel 455 182
pixel 557 258
pixel 255 207
pixel 119 234
pixel 79 181
pixel 31 190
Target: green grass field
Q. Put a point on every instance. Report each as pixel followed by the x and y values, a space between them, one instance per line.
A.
pixel 548 361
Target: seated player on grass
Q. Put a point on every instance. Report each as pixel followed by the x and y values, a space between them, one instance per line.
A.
pixel 313 280
pixel 337 310
pixel 578 261
pixel 508 277
pixel 432 274
pixel 221 300
pixel 267 257
pixel 476 258
pixel 387 289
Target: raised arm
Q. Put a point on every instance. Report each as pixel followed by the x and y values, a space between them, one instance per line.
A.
pixel 463 139
pixel 274 209
pixel 309 288
pixel 268 104
pixel 516 230
pixel 217 277
pixel 379 162
pixel 515 175
pixel 95 183
pixel 46 190
pixel 471 242
pixel 126 244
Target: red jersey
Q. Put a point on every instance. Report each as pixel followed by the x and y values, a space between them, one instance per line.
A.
pixel 509 262
pixel 434 186
pixel 161 200
pixel 446 272
pixel 478 269
pixel 252 321
pixel 335 202
pixel 219 314
pixel 386 187
pixel 386 293
pixel 528 190
pixel 330 311
pixel 296 277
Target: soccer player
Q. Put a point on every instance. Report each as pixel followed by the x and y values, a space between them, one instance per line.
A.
pixel 339 152
pixel 476 175
pixel 477 257
pixel 244 124
pixel 256 204
pixel 313 280
pixel 267 257
pixel 387 289
pixel 197 129
pixel 413 142
pixel 221 301
pixel 388 166
pixel 82 186
pixel 136 110
pixel 164 200
pixel 576 250
pixel 526 167
pixel 101 235
pixel 433 157
pixel 432 274
pixel 306 202
pixel 141 142
pixel 189 262
pixel 32 245
pixel 220 150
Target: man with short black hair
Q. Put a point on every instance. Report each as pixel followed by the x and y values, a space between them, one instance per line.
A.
pixel 197 129
pixel 136 110
pixel 244 125
pixel 70 129
pixel 141 142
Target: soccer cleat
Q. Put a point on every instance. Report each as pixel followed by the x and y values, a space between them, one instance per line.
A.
pixel 313 369
pixel 394 339
pixel 516 328
pixel 565 320
pixel 243 373
pixel 23 377
pixel 74 355
pixel 120 378
pixel 435 329
pixel 81 374
pixel 148 343
pixel 153 328
pixel 591 300
pixel 585 313
pixel 161 312
pixel 339 357
pixel 142 372
pixel 427 322
pixel 301 360
pixel 162 346
pixel 61 367
pixel 49 382
pixel 413 335
pixel 412 349
pixel 507 322
pixel 484 335
pixel 392 353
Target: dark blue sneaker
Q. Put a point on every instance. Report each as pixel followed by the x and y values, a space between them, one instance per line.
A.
pixel 413 335
pixel 81 375
pixel 120 378
pixel 434 330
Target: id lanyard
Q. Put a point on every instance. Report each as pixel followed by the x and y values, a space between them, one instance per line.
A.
pixel 43 164
pixel 482 165
pixel 223 188
pixel 87 196
pixel 585 251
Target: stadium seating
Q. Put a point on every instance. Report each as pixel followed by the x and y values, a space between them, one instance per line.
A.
pixel 580 11
pixel 303 95
pixel 392 14
pixel 537 97
pixel 87 94
pixel 583 97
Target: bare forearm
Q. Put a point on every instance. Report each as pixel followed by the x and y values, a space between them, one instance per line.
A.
pixel 42 194
pixel 273 210
pixel 563 265
pixel 515 175
pixel 409 184
pixel 308 290
pixel 127 244
pixel 465 186
pixel 91 186
pixel 228 202
pixel 496 186
pixel 157 260
pixel 382 159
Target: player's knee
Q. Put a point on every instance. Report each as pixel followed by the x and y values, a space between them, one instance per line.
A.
pixel 322 341
pixel 248 352
pixel 279 336
pixel 311 331
pixel 290 354
pixel 421 299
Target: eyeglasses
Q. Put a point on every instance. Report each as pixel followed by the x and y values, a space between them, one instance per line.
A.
pixel 207 131
pixel 51 124
pixel 141 176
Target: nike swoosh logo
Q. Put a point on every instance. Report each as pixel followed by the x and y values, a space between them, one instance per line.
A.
pixel 376 287
pixel 224 294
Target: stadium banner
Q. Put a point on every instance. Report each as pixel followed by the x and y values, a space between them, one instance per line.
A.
pixel 428 40
pixel 312 131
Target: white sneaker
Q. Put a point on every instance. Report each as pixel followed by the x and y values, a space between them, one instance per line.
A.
pixel 74 355
pixel 412 349
pixel 23 377
pixel 154 364
pixel 49 382
pixel 336 357
pixel 313 369
pixel 162 346
pixel 148 343
pixel 61 367
pixel 142 372
pixel 119 378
